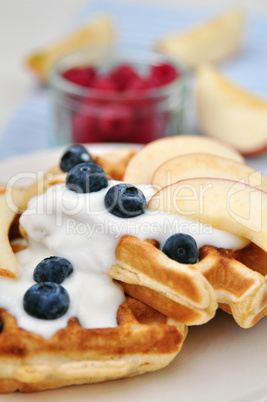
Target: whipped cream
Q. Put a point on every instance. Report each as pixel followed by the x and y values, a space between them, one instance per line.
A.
pixel 78 227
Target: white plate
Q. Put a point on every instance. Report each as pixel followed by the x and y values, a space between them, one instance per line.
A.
pixel 218 362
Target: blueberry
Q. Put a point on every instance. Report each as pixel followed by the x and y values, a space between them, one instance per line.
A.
pixel 46 300
pixel 52 269
pixel 86 178
pixel 74 155
pixel 125 201
pixel 1 324
pixel 182 248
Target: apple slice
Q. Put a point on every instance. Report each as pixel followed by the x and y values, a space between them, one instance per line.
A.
pixel 210 42
pixel 142 166
pixel 98 31
pixel 8 260
pixel 227 205
pixel 21 196
pixel 231 114
pixel 205 165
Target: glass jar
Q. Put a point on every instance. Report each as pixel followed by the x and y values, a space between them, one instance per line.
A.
pixel 87 115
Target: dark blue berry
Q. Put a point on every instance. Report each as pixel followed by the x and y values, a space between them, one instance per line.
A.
pixel 74 155
pixel 52 269
pixel 46 300
pixel 1 324
pixel 182 248
pixel 86 178
pixel 125 201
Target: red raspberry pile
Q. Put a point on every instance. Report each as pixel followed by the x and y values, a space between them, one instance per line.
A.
pixel 126 112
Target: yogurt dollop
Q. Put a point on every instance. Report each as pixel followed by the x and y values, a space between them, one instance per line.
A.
pixel 78 227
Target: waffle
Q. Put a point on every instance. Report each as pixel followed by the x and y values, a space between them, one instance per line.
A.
pixel 238 279
pixel 143 341
pixel 177 290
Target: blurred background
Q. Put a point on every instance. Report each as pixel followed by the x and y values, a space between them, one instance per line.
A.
pixel 27 25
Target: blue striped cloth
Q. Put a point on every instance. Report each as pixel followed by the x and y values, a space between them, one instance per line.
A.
pixel 139 24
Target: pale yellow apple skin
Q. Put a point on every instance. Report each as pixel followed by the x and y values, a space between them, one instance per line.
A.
pixel 8 260
pixel 212 41
pixel 229 113
pixel 98 31
pixel 206 165
pixel 142 166
pixel 227 205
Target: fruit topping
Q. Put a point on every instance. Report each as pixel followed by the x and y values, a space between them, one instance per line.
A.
pixel 104 83
pixel 123 75
pixel 46 300
pixel 1 324
pixel 125 201
pixel 163 74
pixel 115 122
pixel 86 178
pixel 138 84
pixel 83 76
pixel 181 248
pixel 74 155
pixel 52 269
pixel 122 110
pixel 84 126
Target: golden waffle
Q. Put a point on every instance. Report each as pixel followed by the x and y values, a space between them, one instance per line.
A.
pixel 177 290
pixel 144 340
pixel 239 279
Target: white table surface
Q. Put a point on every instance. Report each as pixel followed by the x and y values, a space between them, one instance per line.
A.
pixel 28 24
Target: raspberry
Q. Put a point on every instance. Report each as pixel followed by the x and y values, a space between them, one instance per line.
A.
pixel 138 84
pixel 83 76
pixel 122 76
pixel 84 126
pixel 104 83
pixel 150 124
pixel 163 74
pixel 115 123
pixel 145 129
